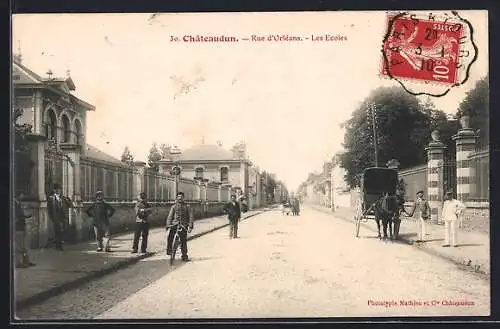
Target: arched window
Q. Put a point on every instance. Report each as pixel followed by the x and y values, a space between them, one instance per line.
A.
pixel 224 174
pixel 199 172
pixel 78 132
pixel 50 125
pixel 66 129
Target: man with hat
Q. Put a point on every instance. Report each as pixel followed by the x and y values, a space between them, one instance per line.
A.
pixel 424 213
pixel 179 214
pixel 142 211
pixel 58 211
pixel 233 215
pixel 101 211
pixel 452 208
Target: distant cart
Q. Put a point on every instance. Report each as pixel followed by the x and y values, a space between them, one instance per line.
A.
pixel 287 209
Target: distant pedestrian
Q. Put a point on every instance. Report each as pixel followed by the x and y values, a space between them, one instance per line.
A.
pixel 424 213
pixel 101 211
pixel 180 214
pixel 452 209
pixel 58 211
pixel 233 211
pixel 22 255
pixel 142 211
pixel 296 206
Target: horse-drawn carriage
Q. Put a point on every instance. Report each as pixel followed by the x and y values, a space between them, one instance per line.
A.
pixel 376 185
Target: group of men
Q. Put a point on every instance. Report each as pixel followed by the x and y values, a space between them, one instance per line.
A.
pixel 452 210
pixel 179 216
pixel 179 219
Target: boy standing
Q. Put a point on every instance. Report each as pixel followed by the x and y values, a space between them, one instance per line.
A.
pixel 424 212
pixel 101 211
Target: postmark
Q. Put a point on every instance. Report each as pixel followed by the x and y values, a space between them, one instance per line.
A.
pixel 428 54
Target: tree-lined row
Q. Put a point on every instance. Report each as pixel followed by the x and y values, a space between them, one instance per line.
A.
pixel 403 125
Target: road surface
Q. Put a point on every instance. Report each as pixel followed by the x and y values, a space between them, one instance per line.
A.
pixel 281 266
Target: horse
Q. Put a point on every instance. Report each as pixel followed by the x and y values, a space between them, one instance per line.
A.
pixel 389 217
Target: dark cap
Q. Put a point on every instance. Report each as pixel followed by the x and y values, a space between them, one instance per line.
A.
pixel 98 193
pixel 449 192
pixel 142 195
pixel 180 193
pixel 421 191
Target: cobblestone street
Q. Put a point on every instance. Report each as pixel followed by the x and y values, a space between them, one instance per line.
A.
pixel 281 266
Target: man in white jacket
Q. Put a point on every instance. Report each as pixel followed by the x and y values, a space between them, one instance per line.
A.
pixel 452 208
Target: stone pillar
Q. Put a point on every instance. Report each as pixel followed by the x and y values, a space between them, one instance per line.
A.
pixel 435 161
pixel 139 177
pixel 466 176
pixel 37 227
pixel 73 152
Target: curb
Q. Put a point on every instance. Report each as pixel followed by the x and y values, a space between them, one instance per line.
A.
pixel 467 267
pixel 57 290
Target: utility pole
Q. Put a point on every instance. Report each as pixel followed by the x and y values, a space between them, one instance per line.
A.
pixel 375 146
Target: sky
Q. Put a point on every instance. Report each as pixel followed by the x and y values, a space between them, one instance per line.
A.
pixel 286 100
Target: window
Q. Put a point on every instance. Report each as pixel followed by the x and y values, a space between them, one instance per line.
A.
pixel 199 172
pixel 50 125
pixel 224 174
pixel 66 129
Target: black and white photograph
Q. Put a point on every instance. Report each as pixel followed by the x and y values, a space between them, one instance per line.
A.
pixel 250 165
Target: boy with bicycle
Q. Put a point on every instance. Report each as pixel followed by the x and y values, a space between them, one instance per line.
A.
pixel 180 215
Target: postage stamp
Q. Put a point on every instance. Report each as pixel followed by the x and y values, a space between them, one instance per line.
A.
pixel 428 54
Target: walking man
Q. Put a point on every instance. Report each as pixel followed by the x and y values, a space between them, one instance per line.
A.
pixel 58 210
pixel 296 206
pixel 180 214
pixel 142 211
pixel 233 214
pixel 452 208
pixel 22 256
pixel 101 211
pixel 424 213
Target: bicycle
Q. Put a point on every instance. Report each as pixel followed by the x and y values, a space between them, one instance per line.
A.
pixel 177 241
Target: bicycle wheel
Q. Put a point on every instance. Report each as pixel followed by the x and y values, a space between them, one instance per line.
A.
pixel 174 248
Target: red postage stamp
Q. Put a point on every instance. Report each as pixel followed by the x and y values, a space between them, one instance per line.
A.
pixel 427 49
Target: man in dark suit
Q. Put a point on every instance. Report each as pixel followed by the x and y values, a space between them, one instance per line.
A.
pixel 233 211
pixel 142 212
pixel 58 211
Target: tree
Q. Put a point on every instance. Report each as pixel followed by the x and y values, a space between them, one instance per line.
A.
pixel 165 150
pixel 127 156
pixel 403 127
pixel 239 150
pixel 154 156
pixel 476 104
pixel 22 161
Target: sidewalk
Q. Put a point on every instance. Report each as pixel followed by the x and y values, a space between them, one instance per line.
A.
pixel 57 271
pixel 473 249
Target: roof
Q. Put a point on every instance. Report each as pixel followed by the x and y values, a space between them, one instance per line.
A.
pixel 93 152
pixel 206 152
pixel 22 76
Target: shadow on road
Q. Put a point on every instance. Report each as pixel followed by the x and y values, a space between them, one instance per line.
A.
pixel 110 290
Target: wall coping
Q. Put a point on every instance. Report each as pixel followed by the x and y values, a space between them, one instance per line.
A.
pixel 468 204
pixel 413 170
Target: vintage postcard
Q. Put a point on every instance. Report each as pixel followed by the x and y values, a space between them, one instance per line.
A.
pixel 248 165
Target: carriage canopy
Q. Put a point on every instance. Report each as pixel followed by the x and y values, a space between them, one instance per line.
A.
pixel 375 182
pixel 379 181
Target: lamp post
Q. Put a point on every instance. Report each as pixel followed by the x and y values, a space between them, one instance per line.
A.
pixel 176 170
pixel 373 110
